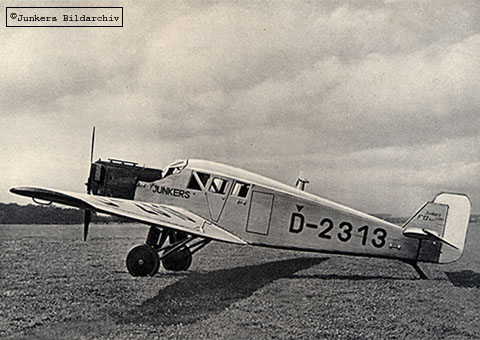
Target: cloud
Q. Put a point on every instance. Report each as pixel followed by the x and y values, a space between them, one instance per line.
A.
pixel 248 68
pixel 362 95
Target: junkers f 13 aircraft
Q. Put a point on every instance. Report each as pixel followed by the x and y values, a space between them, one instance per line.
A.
pixel 193 202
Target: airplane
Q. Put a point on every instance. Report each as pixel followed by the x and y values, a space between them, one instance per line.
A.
pixel 193 202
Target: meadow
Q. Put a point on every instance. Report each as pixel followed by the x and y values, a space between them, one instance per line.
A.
pixel 56 286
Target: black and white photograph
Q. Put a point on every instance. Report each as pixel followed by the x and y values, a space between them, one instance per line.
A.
pixel 277 169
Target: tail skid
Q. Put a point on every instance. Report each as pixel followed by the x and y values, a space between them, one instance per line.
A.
pixel 419 270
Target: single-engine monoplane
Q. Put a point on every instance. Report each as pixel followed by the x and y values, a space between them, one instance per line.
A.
pixel 193 202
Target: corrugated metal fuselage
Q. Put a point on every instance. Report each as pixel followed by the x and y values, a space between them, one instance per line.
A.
pixel 273 214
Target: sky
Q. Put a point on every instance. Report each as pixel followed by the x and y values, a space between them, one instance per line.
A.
pixel 375 102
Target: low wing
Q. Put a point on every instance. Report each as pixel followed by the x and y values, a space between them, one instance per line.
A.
pixel 149 213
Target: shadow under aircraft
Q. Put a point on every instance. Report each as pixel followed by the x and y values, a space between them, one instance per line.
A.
pixel 200 295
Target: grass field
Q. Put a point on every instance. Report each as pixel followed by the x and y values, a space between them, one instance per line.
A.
pixel 55 286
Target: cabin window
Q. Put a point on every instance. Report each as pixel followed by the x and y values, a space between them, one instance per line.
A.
pixel 219 186
pixel 240 189
pixel 193 183
pixel 197 181
pixel 203 178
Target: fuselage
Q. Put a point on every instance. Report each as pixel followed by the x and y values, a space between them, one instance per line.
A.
pixel 268 213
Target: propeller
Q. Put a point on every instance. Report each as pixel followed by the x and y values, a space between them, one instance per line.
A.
pixel 91 159
pixel 88 213
pixel 86 223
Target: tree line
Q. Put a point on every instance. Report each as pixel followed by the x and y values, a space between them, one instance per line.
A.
pixel 12 213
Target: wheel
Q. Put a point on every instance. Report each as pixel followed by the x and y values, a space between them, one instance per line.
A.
pixel 179 260
pixel 143 260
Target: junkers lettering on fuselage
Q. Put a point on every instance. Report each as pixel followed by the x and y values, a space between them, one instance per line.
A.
pixel 161 190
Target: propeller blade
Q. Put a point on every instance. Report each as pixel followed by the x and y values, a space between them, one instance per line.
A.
pixel 88 213
pixel 91 160
pixel 87 217
pixel 93 145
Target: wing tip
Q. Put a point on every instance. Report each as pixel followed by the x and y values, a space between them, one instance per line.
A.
pixel 21 190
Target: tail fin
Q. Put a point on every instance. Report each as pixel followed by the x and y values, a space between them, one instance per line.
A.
pixel 441 226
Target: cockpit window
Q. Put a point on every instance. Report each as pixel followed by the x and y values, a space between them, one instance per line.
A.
pixel 174 168
pixel 218 186
pixel 198 180
pixel 240 189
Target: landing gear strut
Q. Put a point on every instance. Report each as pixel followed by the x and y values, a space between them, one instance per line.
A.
pixel 145 260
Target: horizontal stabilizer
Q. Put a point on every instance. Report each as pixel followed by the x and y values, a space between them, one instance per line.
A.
pixel 426 234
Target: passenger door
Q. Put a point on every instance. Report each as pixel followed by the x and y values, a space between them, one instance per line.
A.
pixel 260 212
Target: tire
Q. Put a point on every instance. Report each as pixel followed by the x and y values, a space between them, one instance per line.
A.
pixel 179 260
pixel 143 260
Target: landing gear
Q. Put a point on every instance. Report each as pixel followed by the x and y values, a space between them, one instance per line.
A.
pixel 180 259
pixel 177 261
pixel 144 259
